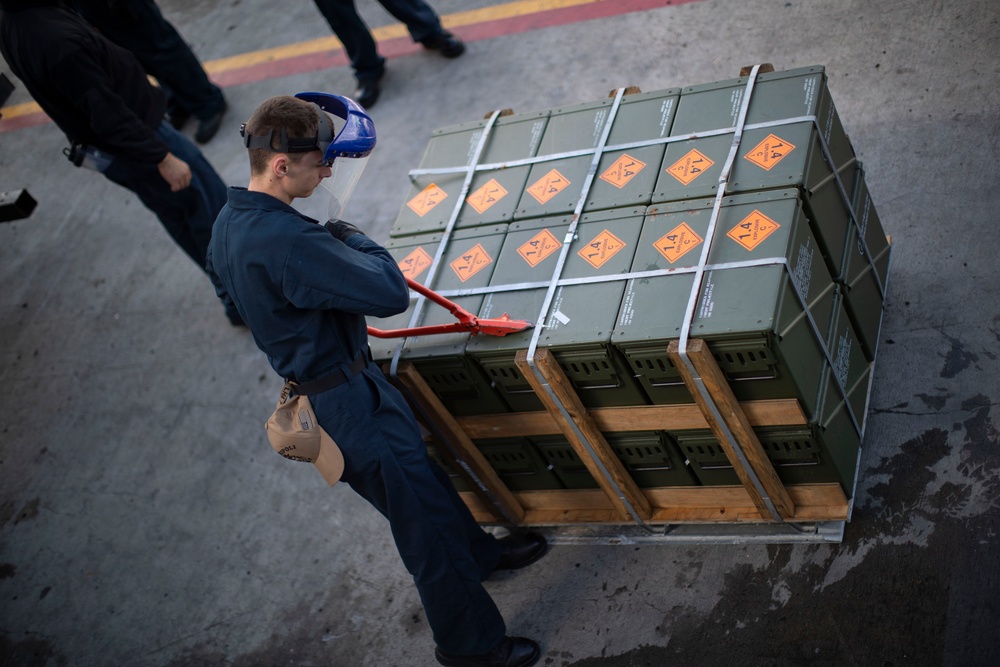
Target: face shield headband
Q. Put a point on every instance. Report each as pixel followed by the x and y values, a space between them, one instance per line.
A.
pixel 323 138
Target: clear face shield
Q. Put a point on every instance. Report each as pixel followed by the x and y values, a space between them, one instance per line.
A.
pixel 341 184
pixel 347 154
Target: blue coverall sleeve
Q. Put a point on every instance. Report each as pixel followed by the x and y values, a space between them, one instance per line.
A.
pixel 357 276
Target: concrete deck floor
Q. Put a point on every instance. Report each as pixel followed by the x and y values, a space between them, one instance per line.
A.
pixel 145 521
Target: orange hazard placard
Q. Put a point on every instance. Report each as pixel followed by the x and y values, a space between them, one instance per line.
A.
pixel 486 196
pixel 622 171
pixel 769 152
pixel 678 242
pixel 601 249
pixel 690 166
pixel 753 230
pixel 541 245
pixel 427 199
pixel 471 262
pixel 415 263
pixel 548 186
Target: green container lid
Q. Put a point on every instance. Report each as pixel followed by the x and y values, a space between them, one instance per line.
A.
pixel 624 177
pixel 492 195
pixel 776 96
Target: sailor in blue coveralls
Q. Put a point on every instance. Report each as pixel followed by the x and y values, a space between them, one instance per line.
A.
pixel 304 290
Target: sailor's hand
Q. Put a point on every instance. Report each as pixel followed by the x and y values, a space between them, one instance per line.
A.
pixel 175 172
pixel 342 229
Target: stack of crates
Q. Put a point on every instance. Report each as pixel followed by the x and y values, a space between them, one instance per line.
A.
pixel 790 297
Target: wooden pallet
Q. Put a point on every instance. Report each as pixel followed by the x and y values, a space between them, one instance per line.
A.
pixel 762 498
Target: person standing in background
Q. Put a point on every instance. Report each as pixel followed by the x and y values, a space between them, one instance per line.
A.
pixel 419 18
pixel 98 94
pixel 139 26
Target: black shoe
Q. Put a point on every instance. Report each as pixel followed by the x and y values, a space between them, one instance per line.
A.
pixel 207 127
pixel 368 90
pixel 521 549
pixel 512 652
pixel 445 43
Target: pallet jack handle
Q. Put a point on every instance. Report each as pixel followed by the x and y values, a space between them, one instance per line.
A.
pixel 467 322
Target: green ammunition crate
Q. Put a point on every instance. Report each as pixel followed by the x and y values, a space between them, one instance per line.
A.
pixel 860 277
pixel 826 449
pixel 581 317
pixel 468 262
pixel 751 317
pixel 864 302
pixel 519 463
pixel 780 156
pixel 849 365
pixel 651 458
pixel 776 96
pixel 413 255
pixel 800 455
pixel 624 177
pixel 493 194
pixel 553 187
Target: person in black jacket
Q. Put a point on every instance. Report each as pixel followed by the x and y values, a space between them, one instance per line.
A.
pixel 139 26
pixel 99 96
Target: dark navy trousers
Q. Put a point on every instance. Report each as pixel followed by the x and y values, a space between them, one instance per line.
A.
pixel 140 27
pixel 187 215
pixel 441 545
pixel 419 18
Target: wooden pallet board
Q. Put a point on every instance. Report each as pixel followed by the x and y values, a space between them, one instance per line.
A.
pixel 618 500
pixel 674 505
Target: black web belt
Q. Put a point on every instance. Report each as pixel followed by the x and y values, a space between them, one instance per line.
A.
pixel 334 379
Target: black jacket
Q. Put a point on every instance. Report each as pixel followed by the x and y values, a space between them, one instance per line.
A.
pixel 96 92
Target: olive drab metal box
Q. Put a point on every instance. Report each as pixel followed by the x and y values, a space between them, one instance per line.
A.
pixel 864 279
pixel 553 187
pixel 624 177
pixel 413 255
pixel 467 263
pixel 578 326
pixel 788 154
pixel 492 195
pixel 751 316
pixel 824 450
pixel 790 293
pixel 651 458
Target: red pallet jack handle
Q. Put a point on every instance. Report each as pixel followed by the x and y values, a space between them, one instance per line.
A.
pixel 467 322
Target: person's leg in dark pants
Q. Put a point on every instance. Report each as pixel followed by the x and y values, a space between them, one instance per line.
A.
pixel 140 27
pixel 419 18
pixel 387 464
pixel 357 39
pixel 189 214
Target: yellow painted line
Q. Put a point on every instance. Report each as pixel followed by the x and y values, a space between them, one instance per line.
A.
pixel 385 33
pixel 23 109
